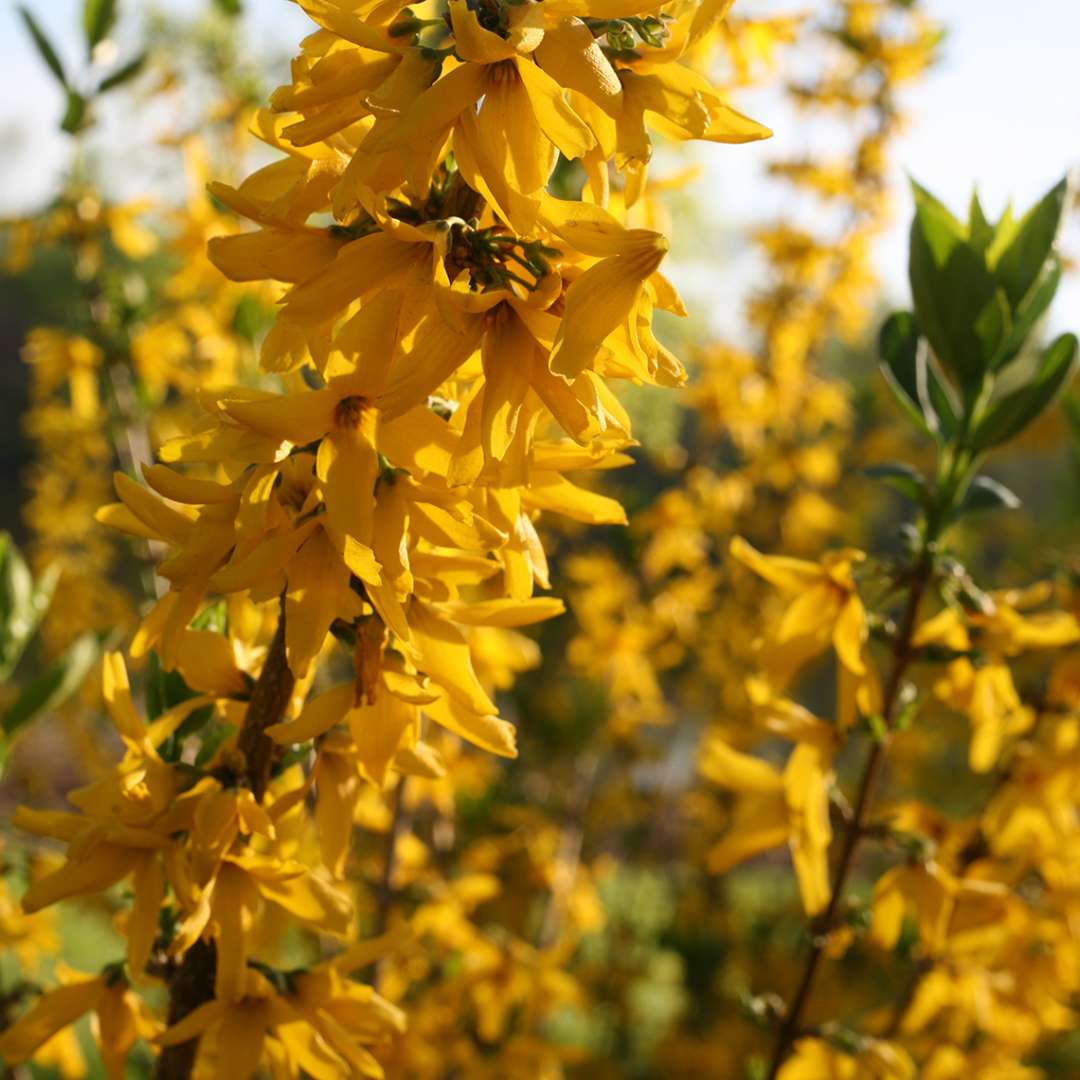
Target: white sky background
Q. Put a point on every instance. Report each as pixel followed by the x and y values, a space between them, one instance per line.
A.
pixel 1002 109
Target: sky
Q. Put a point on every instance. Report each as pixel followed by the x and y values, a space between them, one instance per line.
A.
pixel 1001 109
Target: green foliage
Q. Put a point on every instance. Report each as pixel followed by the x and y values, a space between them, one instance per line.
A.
pixel 979 290
pixel 75 116
pixel 903 478
pixel 44 46
pixel 52 688
pixel 124 73
pixel 910 374
pixel 23 603
pixel 985 493
pixel 99 17
pixel 1006 418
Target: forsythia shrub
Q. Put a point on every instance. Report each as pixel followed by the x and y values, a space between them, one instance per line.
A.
pixel 365 406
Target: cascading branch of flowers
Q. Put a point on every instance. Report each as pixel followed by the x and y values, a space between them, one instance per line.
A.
pixel 446 340
pixel 972 901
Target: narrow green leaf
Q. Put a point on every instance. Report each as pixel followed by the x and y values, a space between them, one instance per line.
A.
pixel 44 46
pixel 230 7
pixel 951 287
pixel 925 200
pixel 985 493
pixel 123 74
pixel 993 327
pixel 1020 264
pixel 23 603
pixel 99 17
pixel 979 229
pixel 910 376
pixel 1006 418
pixel 55 685
pixel 1031 309
pixel 908 481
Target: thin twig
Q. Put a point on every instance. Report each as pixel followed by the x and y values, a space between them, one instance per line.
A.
pixel 902 654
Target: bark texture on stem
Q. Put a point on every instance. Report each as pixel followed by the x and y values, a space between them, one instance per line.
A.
pixel 191 984
pixel 269 700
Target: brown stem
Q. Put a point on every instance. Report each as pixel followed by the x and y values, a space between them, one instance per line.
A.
pixel 875 761
pixel 191 982
pixel 269 700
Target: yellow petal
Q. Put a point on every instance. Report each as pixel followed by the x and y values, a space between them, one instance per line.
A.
pixel 486 731
pixel 791 575
pixel 298 418
pixel 318 716
pixel 318 581
pixel 240 1040
pixel 573 57
pixel 377 732
pixel 446 658
pixel 116 691
pixel 208 664
pixel 557 119
pixel 51 1013
pixel 849 635
pixel 471 41
pixel 264 562
pixel 186 489
pixel 312 900
pixel 107 864
pixel 507 356
pixel 599 301
pixel 162 520
pixel 148 883
pixel 729 768
pixel 435 110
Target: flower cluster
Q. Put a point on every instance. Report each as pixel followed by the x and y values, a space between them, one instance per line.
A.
pixel 344 561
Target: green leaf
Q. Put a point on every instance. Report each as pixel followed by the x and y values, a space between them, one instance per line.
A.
pixel 1009 416
pixel 99 17
pixel 123 74
pixel 910 375
pixel 55 685
pixel 230 7
pixel 980 230
pixel 993 327
pixel 23 603
pixel 985 493
pixel 903 478
pixel 165 690
pixel 212 737
pixel 75 115
pixel 953 290
pixel 1019 265
pixel 44 46
pixel 1030 310
pixel 251 318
